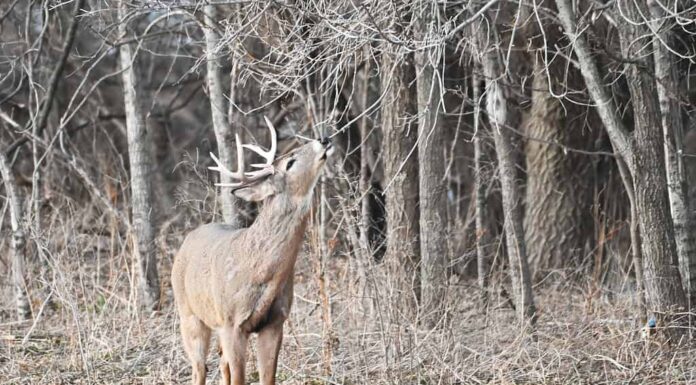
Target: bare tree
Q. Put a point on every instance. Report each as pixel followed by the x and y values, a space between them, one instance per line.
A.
pixel 431 162
pixel 497 106
pixel 41 119
pixel 18 246
pixel 483 233
pixel 400 167
pixel 365 181
pixel 218 107
pixel 668 92
pixel 643 152
pixel 140 164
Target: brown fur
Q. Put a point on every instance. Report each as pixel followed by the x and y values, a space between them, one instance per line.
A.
pixel 239 281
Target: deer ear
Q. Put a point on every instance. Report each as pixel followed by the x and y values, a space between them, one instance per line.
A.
pixel 255 193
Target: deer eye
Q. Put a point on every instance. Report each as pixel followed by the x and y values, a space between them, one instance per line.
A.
pixel 290 163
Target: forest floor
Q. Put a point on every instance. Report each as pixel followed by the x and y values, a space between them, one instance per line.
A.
pixel 91 335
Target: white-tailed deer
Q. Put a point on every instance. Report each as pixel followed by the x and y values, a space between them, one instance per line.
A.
pixel 238 281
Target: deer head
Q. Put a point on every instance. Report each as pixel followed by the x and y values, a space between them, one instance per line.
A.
pixel 292 175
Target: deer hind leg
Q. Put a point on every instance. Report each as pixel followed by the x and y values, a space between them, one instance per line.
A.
pixel 233 342
pixel 224 367
pixel 268 345
pixel 196 338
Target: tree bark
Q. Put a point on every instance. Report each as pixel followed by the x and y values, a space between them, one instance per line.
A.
pixel 557 193
pixel 497 111
pixel 218 107
pixel 666 74
pixel 483 233
pixel 643 152
pixel 140 164
pixel 662 282
pixel 365 181
pixel 400 138
pixel 636 252
pixel 431 145
pixel 18 245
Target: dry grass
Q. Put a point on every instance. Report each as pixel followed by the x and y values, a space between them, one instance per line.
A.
pixel 92 334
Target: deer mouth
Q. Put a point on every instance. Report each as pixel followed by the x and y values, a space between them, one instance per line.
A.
pixel 328 150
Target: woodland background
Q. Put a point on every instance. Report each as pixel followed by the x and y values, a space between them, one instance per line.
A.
pixel 512 199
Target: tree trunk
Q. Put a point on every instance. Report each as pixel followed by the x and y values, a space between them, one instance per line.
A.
pixel 18 245
pixel 365 181
pixel 496 108
pixel 636 252
pixel 666 74
pixel 36 181
pixel 643 152
pixel 483 233
pixel 662 282
pixel 223 131
pixel 431 147
pixel 400 172
pixel 557 195
pixel 139 159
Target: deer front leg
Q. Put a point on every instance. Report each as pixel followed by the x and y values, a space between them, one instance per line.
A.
pixel 196 338
pixel 233 342
pixel 268 346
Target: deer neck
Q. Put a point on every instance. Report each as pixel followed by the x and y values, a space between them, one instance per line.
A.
pixel 278 230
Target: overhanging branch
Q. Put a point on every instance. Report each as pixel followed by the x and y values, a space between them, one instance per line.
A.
pixel 619 136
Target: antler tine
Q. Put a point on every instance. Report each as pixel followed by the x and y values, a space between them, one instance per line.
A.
pixel 240 156
pixel 274 138
pixel 224 170
pixel 258 174
pixel 220 168
pixel 270 154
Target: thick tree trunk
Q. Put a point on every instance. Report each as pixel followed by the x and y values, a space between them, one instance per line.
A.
pixel 400 138
pixel 666 74
pixel 139 159
pixel 661 274
pixel 643 152
pixel 18 245
pixel 496 108
pixel 431 161
pixel 557 194
pixel 218 107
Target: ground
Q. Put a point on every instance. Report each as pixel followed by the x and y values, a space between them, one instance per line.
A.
pixel 92 334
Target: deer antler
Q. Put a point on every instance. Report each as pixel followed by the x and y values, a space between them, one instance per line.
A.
pixel 248 177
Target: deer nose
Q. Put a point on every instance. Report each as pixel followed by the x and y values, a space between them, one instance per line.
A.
pixel 325 141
